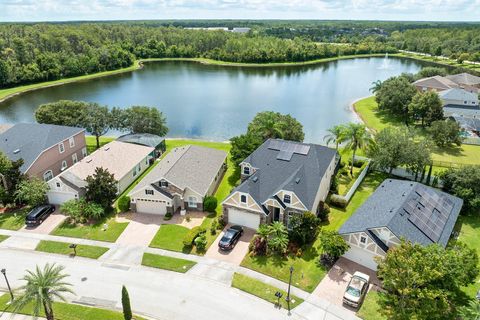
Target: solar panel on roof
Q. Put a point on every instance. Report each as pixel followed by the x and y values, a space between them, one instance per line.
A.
pixel 284 155
pixel 287 147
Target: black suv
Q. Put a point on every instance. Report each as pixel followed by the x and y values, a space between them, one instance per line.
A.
pixel 38 214
pixel 230 238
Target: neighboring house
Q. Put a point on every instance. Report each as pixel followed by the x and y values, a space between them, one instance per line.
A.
pixel 126 161
pixel 146 139
pixel 435 83
pixel 47 150
pixel 399 209
pixel 462 111
pixel 280 179
pixel 180 181
pixel 465 80
pixel 458 97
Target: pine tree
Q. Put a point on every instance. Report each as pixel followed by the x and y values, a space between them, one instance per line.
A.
pixel 127 310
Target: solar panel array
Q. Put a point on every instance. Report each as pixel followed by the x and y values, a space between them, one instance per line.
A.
pixel 428 211
pixel 287 149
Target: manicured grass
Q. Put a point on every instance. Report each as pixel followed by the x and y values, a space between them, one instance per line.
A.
pixel 92 231
pixel 308 272
pixel 14 220
pixel 66 311
pixel 170 237
pixel 92 142
pixel 262 290
pixel 167 263
pixel 370 309
pixel 442 62
pixel 93 252
pixel 345 181
pixel 443 157
pixel 3 238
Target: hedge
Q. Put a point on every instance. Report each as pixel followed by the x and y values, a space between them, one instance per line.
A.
pixel 192 235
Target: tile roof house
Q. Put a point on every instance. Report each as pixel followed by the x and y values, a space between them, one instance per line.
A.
pixel 399 209
pixel 281 178
pixel 465 79
pixel 181 180
pixel 125 161
pixel 47 150
pixel 458 97
pixel 435 83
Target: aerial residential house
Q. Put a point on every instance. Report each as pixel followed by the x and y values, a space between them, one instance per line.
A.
pixel 146 139
pixel 280 179
pixel 180 181
pixel 126 161
pixel 435 83
pixel 47 150
pixel 465 80
pixel 399 209
pixel 459 97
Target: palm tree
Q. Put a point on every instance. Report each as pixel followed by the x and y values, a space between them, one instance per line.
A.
pixel 357 137
pixel 278 237
pixel 41 289
pixel 266 125
pixel 336 135
pixel 376 85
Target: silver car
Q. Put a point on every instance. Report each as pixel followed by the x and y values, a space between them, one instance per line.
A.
pixel 356 290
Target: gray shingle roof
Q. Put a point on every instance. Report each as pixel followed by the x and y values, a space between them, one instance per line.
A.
pixel 31 139
pixel 458 94
pixel 464 78
pixel 301 175
pixel 145 139
pixel 189 166
pixel 385 208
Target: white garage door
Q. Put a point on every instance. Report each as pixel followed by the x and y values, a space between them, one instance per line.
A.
pixel 361 256
pixel 55 197
pixel 244 218
pixel 151 206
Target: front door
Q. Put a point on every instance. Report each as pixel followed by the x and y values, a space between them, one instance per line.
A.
pixel 276 214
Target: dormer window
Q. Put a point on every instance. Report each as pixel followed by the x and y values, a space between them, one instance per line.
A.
pixel 164 184
pixel 287 198
pixel 363 239
pixel 243 198
pixel 61 148
pixel 246 170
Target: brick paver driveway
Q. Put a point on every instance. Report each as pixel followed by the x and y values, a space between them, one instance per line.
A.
pixel 237 254
pixel 47 226
pixel 141 228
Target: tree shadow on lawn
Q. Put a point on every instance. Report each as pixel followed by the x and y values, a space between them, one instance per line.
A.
pixel 454 151
pixel 234 178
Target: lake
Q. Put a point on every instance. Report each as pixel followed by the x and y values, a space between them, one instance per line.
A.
pixel 216 102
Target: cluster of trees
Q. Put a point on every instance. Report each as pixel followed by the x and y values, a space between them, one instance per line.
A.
pixel 98 120
pixel 42 52
pixel 464 182
pixel 424 282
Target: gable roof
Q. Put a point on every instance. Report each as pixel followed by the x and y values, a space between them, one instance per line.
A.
pixel 394 205
pixel 301 174
pixel 119 158
pixel 464 78
pixel 28 140
pixel 458 94
pixel 145 139
pixel 436 82
pixel 190 166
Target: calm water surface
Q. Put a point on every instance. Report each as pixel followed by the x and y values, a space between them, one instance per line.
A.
pixel 216 103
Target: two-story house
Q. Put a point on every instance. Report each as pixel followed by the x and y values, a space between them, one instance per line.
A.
pixel 47 150
pixel 280 179
pixel 399 209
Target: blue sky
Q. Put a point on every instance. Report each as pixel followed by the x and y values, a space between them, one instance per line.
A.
pixel 59 10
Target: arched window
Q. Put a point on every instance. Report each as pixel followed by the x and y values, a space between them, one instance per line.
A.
pixel 48 175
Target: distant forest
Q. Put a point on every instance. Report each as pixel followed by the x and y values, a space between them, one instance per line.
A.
pixel 39 52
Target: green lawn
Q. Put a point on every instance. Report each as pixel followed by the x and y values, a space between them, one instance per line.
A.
pixel 170 237
pixel 92 142
pixel 167 263
pixel 93 252
pixel 345 181
pixel 14 220
pixel 92 231
pixel 3 238
pixel 442 157
pixel 370 309
pixel 308 273
pixel 66 311
pixel 262 290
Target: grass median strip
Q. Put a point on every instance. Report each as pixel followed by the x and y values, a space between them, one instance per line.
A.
pixel 262 290
pixel 167 263
pixel 93 252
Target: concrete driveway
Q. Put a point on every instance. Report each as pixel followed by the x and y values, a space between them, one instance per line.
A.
pixel 47 226
pixel 333 285
pixel 236 255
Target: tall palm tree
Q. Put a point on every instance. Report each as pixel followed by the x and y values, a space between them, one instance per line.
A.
pixel 376 85
pixel 266 125
pixel 42 287
pixel 357 137
pixel 335 134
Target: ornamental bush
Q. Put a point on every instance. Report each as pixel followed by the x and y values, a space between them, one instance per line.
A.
pixel 201 242
pixel 338 201
pixel 192 235
pixel 210 204
pixel 124 203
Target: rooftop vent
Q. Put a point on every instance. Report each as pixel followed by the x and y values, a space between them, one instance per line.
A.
pixel 297 181
pixel 88 160
pixel 255 179
pixel 16 151
pixel 106 148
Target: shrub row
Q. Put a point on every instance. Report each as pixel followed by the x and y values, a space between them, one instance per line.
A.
pixel 192 235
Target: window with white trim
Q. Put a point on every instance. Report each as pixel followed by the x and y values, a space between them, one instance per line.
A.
pixel 192 201
pixel 74 158
pixel 71 142
pixel 64 165
pixel 84 152
pixel 246 170
pixel 243 198
pixel 48 175
pixel 58 185
pixel 287 198
pixel 363 239
pixel 164 184
pixel 149 192
pixel 61 147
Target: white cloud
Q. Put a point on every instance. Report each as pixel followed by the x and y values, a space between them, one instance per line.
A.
pixel 13 10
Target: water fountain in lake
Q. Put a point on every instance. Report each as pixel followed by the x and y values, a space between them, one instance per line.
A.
pixel 386 63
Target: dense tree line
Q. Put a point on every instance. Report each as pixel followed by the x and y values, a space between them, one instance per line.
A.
pixel 41 52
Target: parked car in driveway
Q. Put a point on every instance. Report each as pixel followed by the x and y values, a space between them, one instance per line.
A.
pixel 356 289
pixel 38 214
pixel 230 238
